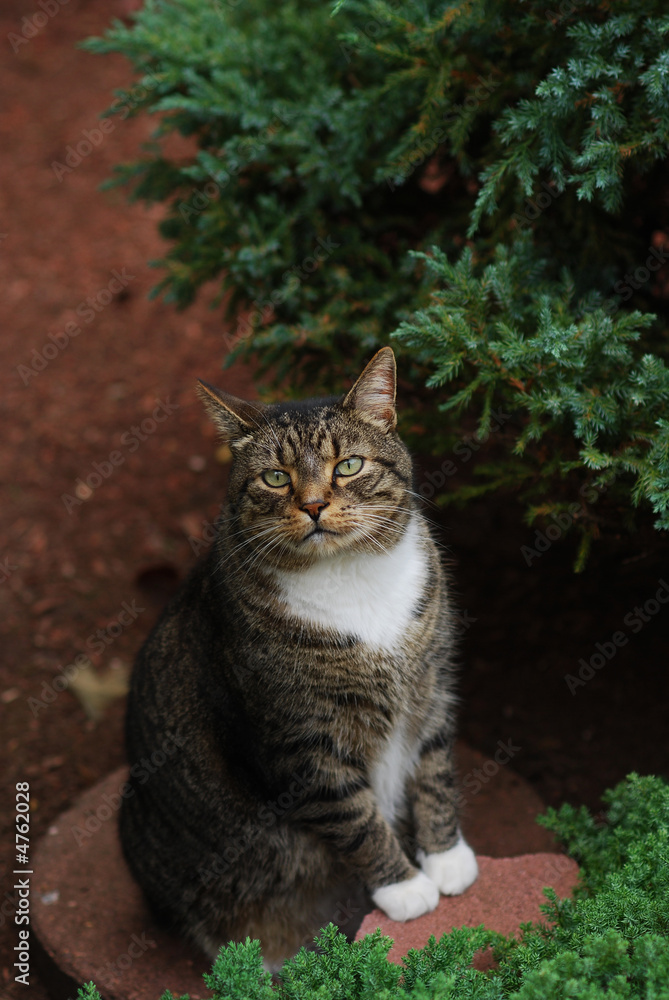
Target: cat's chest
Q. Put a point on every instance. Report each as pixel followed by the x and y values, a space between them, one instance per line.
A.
pixel 373 597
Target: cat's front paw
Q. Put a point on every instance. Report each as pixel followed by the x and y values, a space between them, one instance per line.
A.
pixel 453 870
pixel 409 899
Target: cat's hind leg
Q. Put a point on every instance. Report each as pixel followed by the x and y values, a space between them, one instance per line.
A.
pixel 303 889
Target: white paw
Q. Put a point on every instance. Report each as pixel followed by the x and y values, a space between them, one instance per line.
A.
pixel 407 900
pixel 452 871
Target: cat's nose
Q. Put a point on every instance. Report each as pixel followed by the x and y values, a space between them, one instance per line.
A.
pixel 314 508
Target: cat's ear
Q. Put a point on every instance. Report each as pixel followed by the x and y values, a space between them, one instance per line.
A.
pixel 234 418
pixel 373 395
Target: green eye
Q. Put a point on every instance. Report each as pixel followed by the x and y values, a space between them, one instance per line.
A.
pixel 349 466
pixel 276 477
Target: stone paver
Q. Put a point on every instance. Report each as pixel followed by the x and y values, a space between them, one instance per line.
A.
pixel 92 923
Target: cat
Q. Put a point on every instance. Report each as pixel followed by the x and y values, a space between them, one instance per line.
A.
pixel 305 673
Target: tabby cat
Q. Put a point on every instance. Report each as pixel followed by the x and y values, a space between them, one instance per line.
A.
pixel 301 681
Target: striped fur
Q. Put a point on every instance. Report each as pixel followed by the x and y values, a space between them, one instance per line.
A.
pixel 305 670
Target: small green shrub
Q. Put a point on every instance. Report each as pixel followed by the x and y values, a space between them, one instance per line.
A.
pixel 519 149
pixel 610 941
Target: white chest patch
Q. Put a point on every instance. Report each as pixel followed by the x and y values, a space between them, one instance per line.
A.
pixel 369 596
pixel 389 776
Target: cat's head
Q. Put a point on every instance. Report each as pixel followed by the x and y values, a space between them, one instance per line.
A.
pixel 314 479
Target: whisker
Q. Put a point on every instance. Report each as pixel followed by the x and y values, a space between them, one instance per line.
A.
pixel 421 498
pixel 364 517
pixel 389 529
pixel 263 551
pixel 227 556
pixel 362 533
pixel 251 538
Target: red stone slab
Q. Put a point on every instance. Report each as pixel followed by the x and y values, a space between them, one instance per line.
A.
pixel 90 917
pixel 498 808
pixel 508 892
pixel 92 923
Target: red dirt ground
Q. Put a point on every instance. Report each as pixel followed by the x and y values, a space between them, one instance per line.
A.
pixel 68 573
pixel 65 573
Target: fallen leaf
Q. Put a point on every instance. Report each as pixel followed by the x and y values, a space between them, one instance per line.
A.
pixel 96 690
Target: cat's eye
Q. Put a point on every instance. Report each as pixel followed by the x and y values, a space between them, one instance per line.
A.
pixel 349 466
pixel 276 477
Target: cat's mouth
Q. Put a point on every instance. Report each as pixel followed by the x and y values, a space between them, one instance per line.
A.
pixel 318 530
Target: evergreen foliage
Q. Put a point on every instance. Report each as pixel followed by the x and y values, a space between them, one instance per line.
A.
pixel 482 181
pixel 610 941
